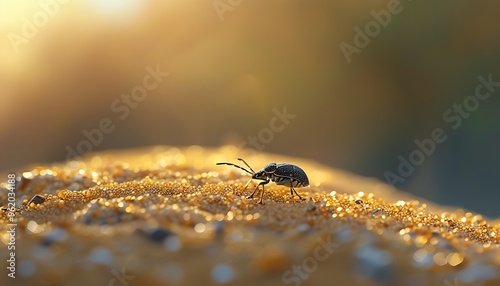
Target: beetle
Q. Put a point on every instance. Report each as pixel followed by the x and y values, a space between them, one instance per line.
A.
pixel 282 174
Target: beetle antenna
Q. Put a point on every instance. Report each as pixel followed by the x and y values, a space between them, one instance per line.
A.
pixel 246 164
pixel 231 164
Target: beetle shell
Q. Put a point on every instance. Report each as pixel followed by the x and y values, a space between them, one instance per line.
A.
pixel 288 171
pixel 270 168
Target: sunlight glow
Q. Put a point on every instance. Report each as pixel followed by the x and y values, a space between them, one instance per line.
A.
pixel 117 8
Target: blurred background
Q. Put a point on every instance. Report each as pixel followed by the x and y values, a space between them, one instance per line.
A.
pixel 337 82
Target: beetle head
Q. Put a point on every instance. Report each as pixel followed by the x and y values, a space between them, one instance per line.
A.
pixel 260 175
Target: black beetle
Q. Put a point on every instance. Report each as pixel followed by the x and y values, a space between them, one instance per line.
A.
pixel 282 174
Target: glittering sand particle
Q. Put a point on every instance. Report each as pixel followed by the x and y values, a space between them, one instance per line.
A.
pixel 166 215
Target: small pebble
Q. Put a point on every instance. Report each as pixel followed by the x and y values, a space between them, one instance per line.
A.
pixel 74 187
pixel 159 234
pixel 56 235
pixel 303 227
pixel 223 273
pixel 101 255
pixel 27 268
pixel 172 243
pixel 37 199
pixel 375 264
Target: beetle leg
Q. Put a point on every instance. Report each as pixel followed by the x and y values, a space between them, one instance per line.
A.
pixel 256 188
pixel 251 195
pixel 292 189
pixel 262 194
pixel 247 184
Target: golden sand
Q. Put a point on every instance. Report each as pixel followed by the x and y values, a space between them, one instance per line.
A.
pixel 166 215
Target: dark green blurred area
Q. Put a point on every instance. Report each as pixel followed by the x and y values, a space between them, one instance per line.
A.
pixel 229 70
